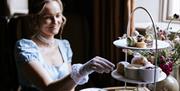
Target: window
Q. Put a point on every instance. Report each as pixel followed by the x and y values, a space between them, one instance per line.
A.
pixel 169 8
pixel 18 6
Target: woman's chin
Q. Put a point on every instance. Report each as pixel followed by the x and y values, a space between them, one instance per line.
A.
pixel 55 31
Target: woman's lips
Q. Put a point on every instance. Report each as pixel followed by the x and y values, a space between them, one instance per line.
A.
pixel 54 27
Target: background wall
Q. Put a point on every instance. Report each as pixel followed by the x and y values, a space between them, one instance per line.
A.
pixel 152 6
pixel 142 20
pixel 16 7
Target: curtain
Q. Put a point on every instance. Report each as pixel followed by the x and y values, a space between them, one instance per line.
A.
pixel 110 18
pixel 4 8
pixel 110 22
pixel 8 78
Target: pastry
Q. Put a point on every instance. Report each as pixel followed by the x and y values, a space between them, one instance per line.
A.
pixel 139 60
pixel 120 67
pixel 140 38
pixel 131 41
pixel 141 44
pixel 141 73
pixel 149 40
pixel 141 69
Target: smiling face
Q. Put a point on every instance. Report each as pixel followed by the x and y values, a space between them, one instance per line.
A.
pixel 51 19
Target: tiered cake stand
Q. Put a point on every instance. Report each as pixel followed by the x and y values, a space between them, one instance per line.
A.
pixel 157 45
pixel 121 43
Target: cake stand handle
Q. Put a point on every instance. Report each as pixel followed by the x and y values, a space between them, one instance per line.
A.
pixel 155 35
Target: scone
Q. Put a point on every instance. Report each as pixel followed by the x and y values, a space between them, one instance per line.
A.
pixel 139 60
pixel 120 67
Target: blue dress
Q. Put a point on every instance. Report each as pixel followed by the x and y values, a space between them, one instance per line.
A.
pixel 26 50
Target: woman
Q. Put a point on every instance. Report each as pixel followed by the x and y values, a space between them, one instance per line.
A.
pixel 43 62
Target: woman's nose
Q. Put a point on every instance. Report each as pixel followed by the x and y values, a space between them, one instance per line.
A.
pixel 55 20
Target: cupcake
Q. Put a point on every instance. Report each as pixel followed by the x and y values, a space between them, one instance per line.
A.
pixel 140 42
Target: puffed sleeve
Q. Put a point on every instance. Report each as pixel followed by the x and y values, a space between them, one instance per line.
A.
pixel 69 52
pixel 26 51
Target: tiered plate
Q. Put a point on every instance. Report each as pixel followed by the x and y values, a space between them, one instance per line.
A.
pixel 122 43
pixel 119 77
pixel 93 89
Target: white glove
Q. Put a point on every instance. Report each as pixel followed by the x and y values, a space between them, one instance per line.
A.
pixel 97 64
pixel 80 72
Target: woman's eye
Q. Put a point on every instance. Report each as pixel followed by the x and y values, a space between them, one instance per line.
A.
pixel 58 15
pixel 47 17
pixel 50 17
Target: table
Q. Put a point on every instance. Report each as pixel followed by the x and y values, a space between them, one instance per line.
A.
pixel 128 88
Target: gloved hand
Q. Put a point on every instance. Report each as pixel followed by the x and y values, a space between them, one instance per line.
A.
pixel 97 64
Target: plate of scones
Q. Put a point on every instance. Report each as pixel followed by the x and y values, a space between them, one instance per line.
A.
pixel 140 71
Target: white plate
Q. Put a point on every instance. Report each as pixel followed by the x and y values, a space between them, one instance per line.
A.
pixel 122 43
pixel 93 89
pixel 119 77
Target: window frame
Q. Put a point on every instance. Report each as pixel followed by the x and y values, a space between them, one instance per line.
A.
pixel 18 8
pixel 164 12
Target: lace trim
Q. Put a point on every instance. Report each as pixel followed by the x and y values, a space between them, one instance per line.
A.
pixel 77 77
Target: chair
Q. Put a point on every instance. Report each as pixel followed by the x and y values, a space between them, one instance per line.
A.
pixel 18 27
pixel 8 78
pixel 11 30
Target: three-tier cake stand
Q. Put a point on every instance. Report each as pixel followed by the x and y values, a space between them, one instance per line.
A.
pixel 157 45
